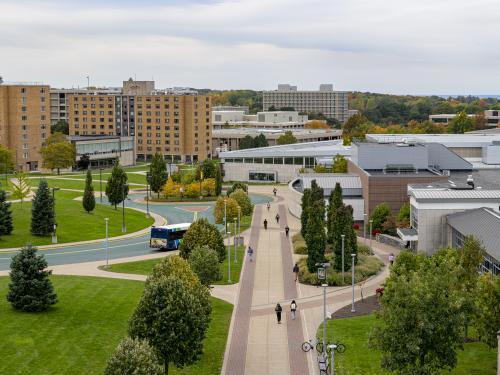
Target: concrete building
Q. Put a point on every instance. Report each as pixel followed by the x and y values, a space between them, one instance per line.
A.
pixel 272 119
pixel 132 87
pixel 352 191
pixel 104 150
pixel 24 122
pixel 492 117
pixel 229 139
pixel 333 104
pixel 244 108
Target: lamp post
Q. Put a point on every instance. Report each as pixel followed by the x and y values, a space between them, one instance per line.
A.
pixel 201 180
pixel 343 239
pixel 364 228
pixel 235 237
pixel 54 235
pixel 100 183
pixel 148 181
pixel 228 257
pixel 225 216
pixel 124 228
pixel 371 224
pixel 322 276
pixel 352 275
pixel 106 243
pixel 239 226
pixel 332 348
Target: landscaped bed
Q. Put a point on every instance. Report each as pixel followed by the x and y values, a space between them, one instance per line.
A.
pixel 79 333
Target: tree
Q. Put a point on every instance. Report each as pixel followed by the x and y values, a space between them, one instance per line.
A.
pixel 208 187
pixel 488 318
pixel 116 188
pixel 171 189
pixel 461 123
pixel 403 217
pixel 208 167
pixel 335 202
pixel 379 215
pixel 237 185
pixel 421 321
pixel 88 200
pixel 133 357
pixel 6 225
pixel 218 181
pixel 304 216
pixel 83 163
pixel 243 201
pixel 174 266
pixel 316 124
pixel 315 238
pixel 158 173
pixel 58 153
pixel 339 164
pixel 480 121
pixel 60 126
pixel 286 139
pixel 260 141
pixel 246 142
pixel 30 289
pixel 42 211
pixel 173 317
pixel 200 233
pixel 230 208
pixel 204 262
pixel 317 195
pixel 6 163
pixel 20 187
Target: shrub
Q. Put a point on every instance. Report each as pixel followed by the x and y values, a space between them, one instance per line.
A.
pixel 243 201
pixel 208 187
pixel 133 357
pixel 200 233
pixel 299 244
pixel 363 249
pixel 231 210
pixel 204 261
pixel 192 190
pixel 188 177
pixel 171 188
pixel 237 185
pixel 355 226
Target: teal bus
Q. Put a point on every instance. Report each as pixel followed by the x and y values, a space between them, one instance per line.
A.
pixel 168 237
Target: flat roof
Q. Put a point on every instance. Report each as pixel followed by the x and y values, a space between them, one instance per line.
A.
pixel 433 193
pixel 256 131
pixel 328 180
pixel 448 140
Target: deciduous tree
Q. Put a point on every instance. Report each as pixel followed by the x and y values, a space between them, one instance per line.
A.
pixel 339 164
pixel 133 357
pixel 379 215
pixel 488 307
pixel 57 152
pixel 6 163
pixel 200 233
pixel 286 139
pixel 204 262
pixel 231 210
pixel 88 200
pixel 158 173
pixel 461 123
pixel 403 217
pixel 42 211
pixel 20 187
pixel 243 201
pixel 116 188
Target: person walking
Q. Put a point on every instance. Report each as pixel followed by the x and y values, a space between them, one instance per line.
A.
pixel 278 310
pixel 275 191
pixel 278 218
pixel 391 259
pixel 265 224
pixel 268 206
pixel 287 230
pixel 293 308
pixel 296 271
pixel 250 253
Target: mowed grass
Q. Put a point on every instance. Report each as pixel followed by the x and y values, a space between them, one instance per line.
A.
pixel 75 183
pixel 133 178
pixel 145 267
pixel 360 359
pixel 74 223
pixel 79 333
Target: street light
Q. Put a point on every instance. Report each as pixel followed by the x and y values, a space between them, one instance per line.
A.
pixel 148 181
pixel 364 228
pixel 235 237
pixel 100 182
pixel 322 276
pixel 54 235
pixel 332 348
pixel 343 239
pixel 225 216
pixel 228 257
pixel 124 228
pixel 352 273
pixel 371 224
pixel 106 220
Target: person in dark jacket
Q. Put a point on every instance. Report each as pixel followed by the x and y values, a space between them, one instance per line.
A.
pixel 265 224
pixel 287 230
pixel 278 218
pixel 278 310
pixel 296 271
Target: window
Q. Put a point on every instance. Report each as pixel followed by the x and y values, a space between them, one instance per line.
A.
pixel 261 176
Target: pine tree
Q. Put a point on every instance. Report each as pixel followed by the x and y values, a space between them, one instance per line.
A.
pixel 88 196
pixel 334 203
pixel 315 239
pixel 317 195
pixel 304 216
pixel 343 225
pixel 115 190
pixel 218 181
pixel 6 225
pixel 158 173
pixel 42 211
pixel 30 289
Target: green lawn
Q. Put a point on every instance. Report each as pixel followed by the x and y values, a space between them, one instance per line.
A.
pixel 67 183
pixel 144 267
pixel 74 224
pixel 81 331
pixel 360 359
pixel 132 177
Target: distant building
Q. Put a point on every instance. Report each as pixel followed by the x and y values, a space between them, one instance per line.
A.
pixel 270 119
pixel 225 108
pixel 104 150
pixel 24 122
pixel 333 104
pixel 492 117
pixel 132 87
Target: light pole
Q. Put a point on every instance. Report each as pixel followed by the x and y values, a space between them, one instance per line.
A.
pixel 343 239
pixel 322 276
pixel 225 217
pixel 124 228
pixel 239 226
pixel 371 249
pixel 54 236
pixel 148 181
pixel 100 182
pixel 352 275
pixel 106 220
pixel 332 348
pixel 364 228
pixel 228 257
pixel 235 237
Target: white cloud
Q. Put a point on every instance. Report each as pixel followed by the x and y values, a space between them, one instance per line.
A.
pixel 405 46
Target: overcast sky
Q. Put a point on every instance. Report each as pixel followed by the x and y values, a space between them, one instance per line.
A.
pixel 392 46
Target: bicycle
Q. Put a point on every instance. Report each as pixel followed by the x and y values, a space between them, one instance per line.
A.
pixel 313 344
pixel 339 348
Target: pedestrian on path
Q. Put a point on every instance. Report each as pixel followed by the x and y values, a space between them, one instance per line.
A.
pixel 250 253
pixel 268 206
pixel 278 310
pixel 275 191
pixel 293 308
pixel 296 271
pixel 391 259
pixel 287 230
pixel 265 224
pixel 277 218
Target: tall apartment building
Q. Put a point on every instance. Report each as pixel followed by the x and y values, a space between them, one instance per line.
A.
pixel 92 114
pixel 24 122
pixel 333 104
pixel 177 126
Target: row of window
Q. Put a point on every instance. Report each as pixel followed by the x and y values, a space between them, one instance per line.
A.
pixel 25 118
pixel 102 106
pixel 93 119
pixel 304 161
pixel 85 126
pixel 93 113
pixel 42 90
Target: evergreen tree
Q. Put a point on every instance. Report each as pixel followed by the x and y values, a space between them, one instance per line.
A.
pixel 315 239
pixel 334 203
pixel 317 196
pixel 42 211
pixel 158 173
pixel 88 195
pixel 133 357
pixel 335 235
pixel 260 141
pixel 115 190
pixel 6 225
pixel 304 216
pixel 218 181
pixel 30 289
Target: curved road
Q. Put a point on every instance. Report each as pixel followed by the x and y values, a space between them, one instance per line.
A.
pixel 173 212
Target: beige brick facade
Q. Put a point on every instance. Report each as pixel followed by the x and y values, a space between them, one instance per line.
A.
pixel 92 115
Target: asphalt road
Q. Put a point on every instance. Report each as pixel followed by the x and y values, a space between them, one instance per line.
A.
pixel 174 213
